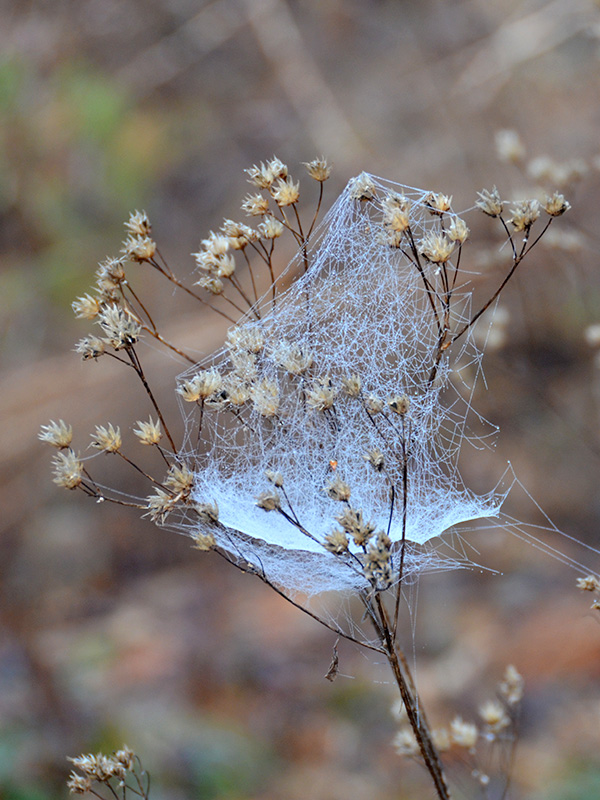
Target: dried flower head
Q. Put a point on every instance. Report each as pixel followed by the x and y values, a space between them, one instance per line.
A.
pixel 90 347
pixel 292 358
pixel 556 205
pixel 180 479
pixel 139 224
pixel 160 504
pixel 524 214
pixel 464 734
pixel 509 146
pixel 79 784
pixel 269 501
pixel 245 337
pixel 438 203
pixel 318 169
pixel 58 434
pixel 207 512
pixel 148 432
pixel 405 743
pixel 322 395
pixel 107 438
pixel 511 687
pixel 265 397
pixel 68 469
pixel 286 192
pixel 121 329
pixel 457 231
pixel 139 248
pixel 362 188
pixel 202 385
pixel 399 403
pixel 494 716
pixel 276 478
pixel 271 228
pixel 351 385
pixel 336 542
pixel 589 584
pixel 239 235
pixel 436 247
pixel 353 523
pixel 489 202
pixel 375 458
pixel 338 489
pixel 86 307
pixel 256 205
pixel 203 541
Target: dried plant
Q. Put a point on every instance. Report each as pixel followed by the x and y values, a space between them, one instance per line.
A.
pixel 321 442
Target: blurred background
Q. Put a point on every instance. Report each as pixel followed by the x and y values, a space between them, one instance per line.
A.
pixel 114 631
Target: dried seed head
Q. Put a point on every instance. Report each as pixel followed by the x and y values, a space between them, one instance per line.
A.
pixel 262 176
pixel 494 716
pixel 375 458
pixel 489 202
pixel 58 434
pixel 404 742
pixel 68 469
pixel 336 542
pixel 399 403
pixel 322 395
pixel 86 307
pixel 79 784
pixel 292 358
pixel 352 522
pixel 202 385
pixel 556 205
pixel 121 329
pixel 239 235
pixel 338 490
pixel 203 541
pixel 207 512
pixel 362 188
pixel 139 248
pixel 245 337
pixel 107 438
pixel 210 284
pixel 441 739
pixel 318 169
pixel 587 584
pixel 464 734
pixel 276 478
pixel 180 479
pixel 148 432
pixel 286 192
pixel 265 397
pixel 511 688
pixel 509 147
pixel 269 501
pixel 436 247
pixel 256 205
pixel 139 224
pixel 458 231
pixel 126 757
pixel 438 204
pixel 160 504
pixel 90 347
pixel 351 385
pixel 111 270
pixel 524 214
pixel 271 228
pixel 373 404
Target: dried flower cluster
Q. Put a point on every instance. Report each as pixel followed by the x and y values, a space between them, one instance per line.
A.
pixel 119 773
pixel 328 458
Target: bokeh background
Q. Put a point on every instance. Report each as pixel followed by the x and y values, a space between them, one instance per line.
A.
pixel 114 631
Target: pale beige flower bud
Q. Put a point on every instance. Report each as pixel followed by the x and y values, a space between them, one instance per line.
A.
pixel 286 192
pixel 68 470
pixel 58 434
pixel 107 438
pixel 148 433
pixel 318 169
pixel 489 202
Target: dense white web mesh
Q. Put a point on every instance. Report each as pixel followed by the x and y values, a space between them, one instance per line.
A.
pixel 360 309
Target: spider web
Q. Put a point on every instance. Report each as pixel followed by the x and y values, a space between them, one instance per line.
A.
pixel 361 308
